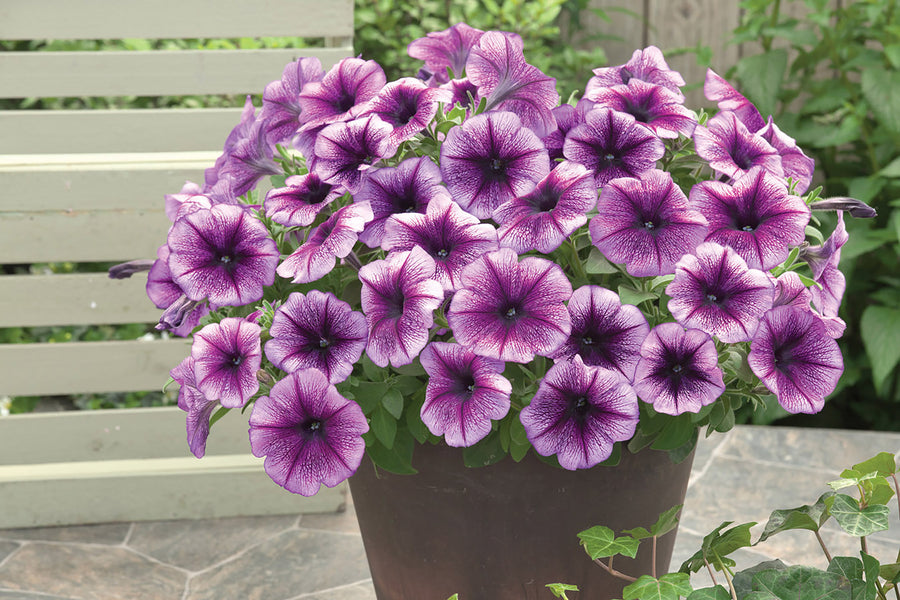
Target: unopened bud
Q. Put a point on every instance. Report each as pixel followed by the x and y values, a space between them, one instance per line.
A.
pixel 127 269
pixel 856 208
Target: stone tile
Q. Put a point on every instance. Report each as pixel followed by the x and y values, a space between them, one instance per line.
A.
pixel 363 591
pixel 341 522
pixel 7 548
pixel 294 563
pixel 109 534
pixel 90 573
pixel 29 596
pixel 197 544
pixel 706 446
pixel 688 543
pixel 830 449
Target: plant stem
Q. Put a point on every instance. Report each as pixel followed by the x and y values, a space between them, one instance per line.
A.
pixel 613 572
pixel 653 558
pixel 730 584
pixel 863 544
pixel 897 489
pixel 822 544
pixel 711 574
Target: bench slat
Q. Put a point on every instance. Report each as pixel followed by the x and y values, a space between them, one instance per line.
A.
pixel 80 236
pixel 115 19
pixel 88 367
pixel 141 130
pixel 74 299
pixel 187 72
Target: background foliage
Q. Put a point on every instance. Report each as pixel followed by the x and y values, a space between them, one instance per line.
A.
pixel 832 81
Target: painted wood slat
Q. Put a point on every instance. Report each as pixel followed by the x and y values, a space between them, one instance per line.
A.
pixel 81 236
pixel 187 72
pixel 136 181
pixel 74 299
pixel 113 435
pixel 147 490
pixel 146 130
pixel 83 367
pixel 685 24
pixel 626 29
pixel 114 19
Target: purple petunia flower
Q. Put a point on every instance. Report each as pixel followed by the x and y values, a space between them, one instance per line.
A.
pixel 566 118
pixel 823 261
pixel 464 393
pixel 796 359
pixel 718 90
pixel 341 93
pixel 222 253
pixel 281 99
pixel 227 356
pixel 790 291
pixel 331 240
pixel 732 150
pixel 181 315
pixel 579 413
pixel 542 219
pixel 452 237
pixel 344 151
pixel 458 92
pixel 646 223
pixel 511 310
pixel 612 144
pixel 299 203
pixel 406 188
pixel 756 216
pixel 446 49
pixel 645 65
pixel 714 291
pixel 678 371
pixel 498 69
pixel 249 160
pixel 316 331
pixel 308 432
pixel 198 407
pixel 795 163
pixel 399 297
pixel 490 159
pixel 605 332
pixel 657 107
pixel 407 105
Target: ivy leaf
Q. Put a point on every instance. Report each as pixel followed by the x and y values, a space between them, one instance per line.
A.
pixel 890 572
pixel 711 593
pixel 671 586
pixel 743 580
pixel 872 569
pixel 883 463
pixel 601 542
pixel 810 517
pixel 559 589
pixel 717 546
pixel 858 521
pixel 666 522
pixel 801 583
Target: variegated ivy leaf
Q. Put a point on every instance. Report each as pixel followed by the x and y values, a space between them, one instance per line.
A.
pixel 810 517
pixel 858 521
pixel 671 586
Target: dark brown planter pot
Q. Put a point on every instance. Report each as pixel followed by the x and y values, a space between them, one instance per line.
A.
pixel 505 531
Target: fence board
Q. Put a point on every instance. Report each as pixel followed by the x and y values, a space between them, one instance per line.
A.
pixel 147 130
pixel 137 181
pixel 83 367
pixel 186 72
pixel 81 236
pixel 74 299
pixel 115 19
pixel 626 30
pixel 113 434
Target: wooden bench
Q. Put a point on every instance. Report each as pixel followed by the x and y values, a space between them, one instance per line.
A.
pixel 87 186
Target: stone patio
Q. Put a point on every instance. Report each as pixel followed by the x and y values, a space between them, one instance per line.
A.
pixel 740 476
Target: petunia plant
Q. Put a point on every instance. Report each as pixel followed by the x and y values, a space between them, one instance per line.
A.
pixel 459 258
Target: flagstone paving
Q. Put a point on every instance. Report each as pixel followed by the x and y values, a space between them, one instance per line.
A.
pixel 741 476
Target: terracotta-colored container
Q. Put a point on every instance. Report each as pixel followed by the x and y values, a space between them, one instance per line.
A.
pixel 504 531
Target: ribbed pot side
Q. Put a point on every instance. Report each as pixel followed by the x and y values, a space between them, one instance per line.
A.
pixel 504 531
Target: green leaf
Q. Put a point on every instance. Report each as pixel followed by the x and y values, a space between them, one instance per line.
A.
pixel 872 569
pixel 369 394
pixel 629 295
pixel 671 586
pixel 866 188
pixel 890 572
pixel 801 583
pixel 882 463
pixel 892 52
pixel 761 76
pixel 711 593
pixel 559 589
pixel 810 517
pixel 881 88
pixel 716 546
pixel 675 433
pixel 384 426
pixel 666 522
pixel 601 542
pixel 217 415
pixel 454 597
pixel 397 459
pixel 486 452
pixel 847 566
pixel 858 521
pixel 892 169
pixel 393 402
pixel 880 329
